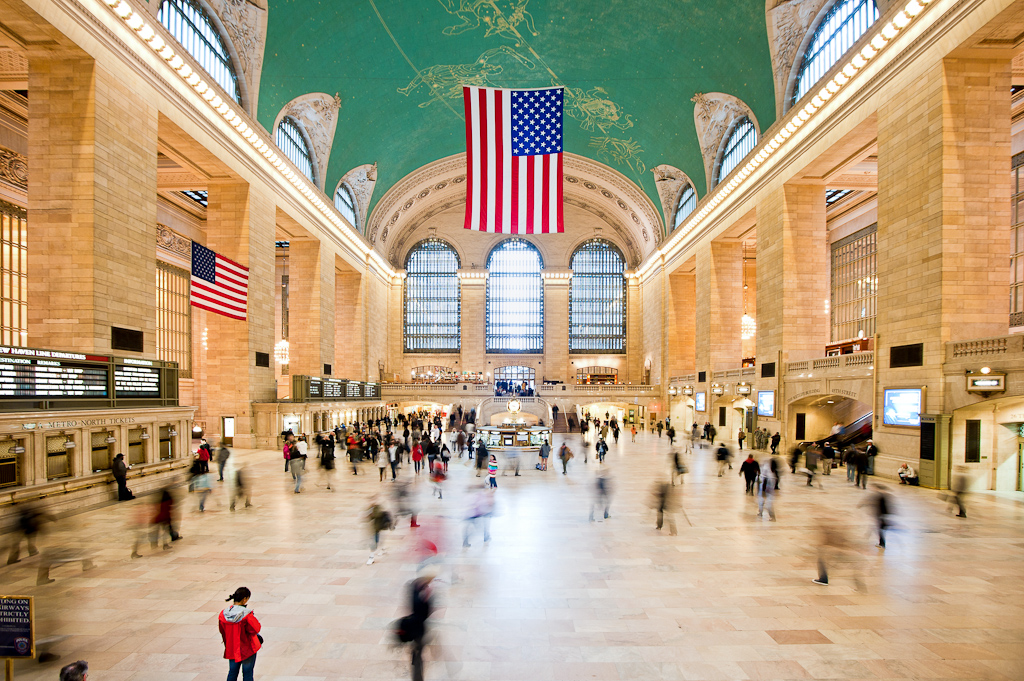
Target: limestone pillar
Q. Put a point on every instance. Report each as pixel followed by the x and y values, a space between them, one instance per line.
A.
pixel 474 315
pixel 348 324
pixel 311 308
pixel 634 361
pixel 792 275
pixel 556 326
pixel 240 225
pixel 943 218
pixel 91 204
pixel 679 325
pixel 719 306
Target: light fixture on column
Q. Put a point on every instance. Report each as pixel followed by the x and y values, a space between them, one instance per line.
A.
pixel 281 354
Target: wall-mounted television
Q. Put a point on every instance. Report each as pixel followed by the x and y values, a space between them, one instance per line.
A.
pixel 901 407
pixel 700 401
pixel 766 403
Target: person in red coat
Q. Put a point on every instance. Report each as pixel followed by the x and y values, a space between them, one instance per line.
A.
pixel 240 631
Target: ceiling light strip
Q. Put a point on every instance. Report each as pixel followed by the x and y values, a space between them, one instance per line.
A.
pixel 268 150
pixel 798 117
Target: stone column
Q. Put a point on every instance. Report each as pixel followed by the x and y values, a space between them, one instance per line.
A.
pixel 943 217
pixel 556 325
pixel 91 203
pixel 311 305
pixel 348 325
pixel 792 275
pixel 679 325
pixel 474 300
pixel 240 226
pixel 719 306
pixel 633 366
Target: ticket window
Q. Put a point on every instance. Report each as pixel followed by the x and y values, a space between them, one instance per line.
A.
pixel 58 459
pixel 102 451
pixel 136 446
pixel 10 469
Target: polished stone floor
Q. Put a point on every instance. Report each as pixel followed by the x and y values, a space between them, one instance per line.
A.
pixel 552 596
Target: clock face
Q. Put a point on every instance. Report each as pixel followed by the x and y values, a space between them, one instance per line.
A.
pixel 513 406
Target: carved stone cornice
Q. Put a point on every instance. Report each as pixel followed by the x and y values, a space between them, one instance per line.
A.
pixel 788 22
pixel 172 242
pixel 13 168
pixel 246 28
pixel 670 182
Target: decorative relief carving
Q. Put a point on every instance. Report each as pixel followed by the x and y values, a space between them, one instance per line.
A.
pixel 13 64
pixel 246 26
pixel 169 240
pixel 318 113
pixel 713 114
pixel 788 22
pixel 361 180
pixel 670 181
pixel 14 168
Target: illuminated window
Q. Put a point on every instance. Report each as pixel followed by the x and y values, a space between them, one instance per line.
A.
pixel 173 318
pixel 686 205
pixel 839 30
pixel 515 298
pixel 433 298
pixel 292 142
pixel 833 196
pixel 597 299
pixel 192 27
pixel 1016 242
pixel 13 275
pixel 854 286
pixel 740 142
pixel 346 205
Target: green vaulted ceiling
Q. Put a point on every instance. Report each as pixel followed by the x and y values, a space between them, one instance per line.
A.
pixel 629 68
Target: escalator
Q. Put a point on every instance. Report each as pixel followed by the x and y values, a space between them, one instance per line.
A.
pixel 855 433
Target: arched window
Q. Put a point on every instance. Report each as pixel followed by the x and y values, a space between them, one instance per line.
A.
pixel 840 28
pixel 292 142
pixel 433 301
pixel 346 204
pixel 597 299
pixel 686 205
pixel 515 298
pixel 188 22
pixel 737 145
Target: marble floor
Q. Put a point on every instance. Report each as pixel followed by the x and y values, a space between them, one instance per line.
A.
pixel 552 596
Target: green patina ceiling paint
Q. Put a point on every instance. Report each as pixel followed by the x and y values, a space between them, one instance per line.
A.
pixel 629 68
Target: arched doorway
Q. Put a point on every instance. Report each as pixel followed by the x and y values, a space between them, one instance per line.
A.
pixel 514 380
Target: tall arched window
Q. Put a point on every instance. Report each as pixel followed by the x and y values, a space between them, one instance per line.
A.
pixel 597 299
pixel 433 301
pixel 687 204
pixel 737 145
pixel 346 204
pixel 188 22
pixel 292 142
pixel 515 298
pixel 841 27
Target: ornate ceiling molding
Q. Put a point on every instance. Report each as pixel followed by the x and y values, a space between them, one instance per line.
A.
pixel 246 26
pixel 713 114
pixel 588 184
pixel 788 22
pixel 361 180
pixel 670 182
pixel 13 168
pixel 13 69
pixel 318 114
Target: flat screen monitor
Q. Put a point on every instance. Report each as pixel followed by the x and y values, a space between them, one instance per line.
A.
pixel 901 407
pixel 700 401
pixel 766 403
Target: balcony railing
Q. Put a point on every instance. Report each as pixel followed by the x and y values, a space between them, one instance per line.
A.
pixel 985 347
pixel 858 360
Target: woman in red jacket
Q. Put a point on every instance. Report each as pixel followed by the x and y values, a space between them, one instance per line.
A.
pixel 240 631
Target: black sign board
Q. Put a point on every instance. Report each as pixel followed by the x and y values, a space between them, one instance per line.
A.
pixel 17 630
pixel 316 389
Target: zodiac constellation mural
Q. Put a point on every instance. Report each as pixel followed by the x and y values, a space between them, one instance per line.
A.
pixel 594 109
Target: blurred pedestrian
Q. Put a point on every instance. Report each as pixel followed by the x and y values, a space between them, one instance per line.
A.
pixel 881 506
pixel 958 488
pixel 750 469
pixel 478 513
pixel 678 468
pixel 492 471
pixel 421 601
pixel 76 671
pixel 602 493
pixel 120 471
pixel 775 440
pixel 201 486
pixel 632 432
pixel 240 633
pixel 601 449
pixel 327 460
pixel 766 489
pixel 722 456
pixel 832 542
pixel 298 464
pixel 664 503
pixel 811 465
pixel 28 527
pixel 241 490
pixel 564 453
pixel 205 454
pixel 671 433
pixel 545 453
pixel 437 477
pixel 378 520
pixel 223 454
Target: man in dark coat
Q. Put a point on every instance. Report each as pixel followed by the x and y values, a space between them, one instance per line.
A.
pixel 120 471
pixel 750 469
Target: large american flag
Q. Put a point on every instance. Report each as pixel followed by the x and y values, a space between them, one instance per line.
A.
pixel 514 149
pixel 218 284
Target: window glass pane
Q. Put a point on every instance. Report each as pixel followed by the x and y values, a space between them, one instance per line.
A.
pixel 13 266
pixel 291 141
pixel 687 204
pixel 433 298
pixel 854 286
pixel 597 299
pixel 346 205
pixel 740 143
pixel 515 298
pixel 844 25
pixel 193 29
pixel 174 317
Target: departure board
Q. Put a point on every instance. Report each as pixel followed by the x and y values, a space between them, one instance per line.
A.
pixel 134 381
pixel 316 389
pixel 41 378
pixel 333 388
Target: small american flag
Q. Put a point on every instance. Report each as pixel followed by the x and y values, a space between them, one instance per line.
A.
pixel 514 152
pixel 218 284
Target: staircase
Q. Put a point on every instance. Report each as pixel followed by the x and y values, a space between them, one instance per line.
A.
pixel 560 425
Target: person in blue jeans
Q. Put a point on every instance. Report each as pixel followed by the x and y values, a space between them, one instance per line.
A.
pixel 240 632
